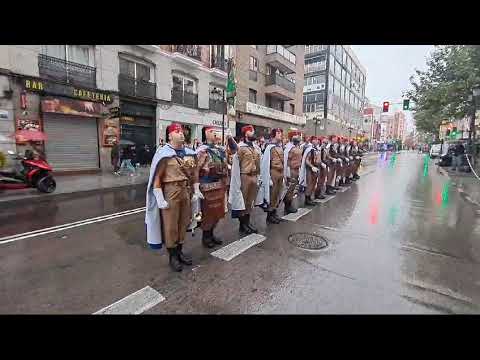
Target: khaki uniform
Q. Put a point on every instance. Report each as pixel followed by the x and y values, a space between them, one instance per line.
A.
pixel 249 161
pixel 294 162
pixel 212 166
pixel 175 176
pixel 313 160
pixel 323 172
pixel 276 174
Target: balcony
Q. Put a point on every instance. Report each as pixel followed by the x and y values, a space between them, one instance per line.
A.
pixel 185 98
pixel 52 68
pixel 219 63
pixel 136 88
pixel 313 50
pixel 315 67
pixel 279 87
pixel 193 51
pixel 218 106
pixel 281 58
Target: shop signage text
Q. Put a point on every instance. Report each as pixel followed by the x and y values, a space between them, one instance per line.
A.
pixel 66 90
pixel 274 114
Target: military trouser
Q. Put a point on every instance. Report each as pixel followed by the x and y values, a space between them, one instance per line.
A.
pixel 321 181
pixel 312 179
pixel 276 188
pixel 177 217
pixel 292 183
pixel 249 190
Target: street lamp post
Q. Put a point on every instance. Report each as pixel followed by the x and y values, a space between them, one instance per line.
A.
pixel 472 133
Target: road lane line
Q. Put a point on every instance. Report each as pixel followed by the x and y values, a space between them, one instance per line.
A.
pixel 235 248
pixel 297 215
pixel 133 304
pixel 12 238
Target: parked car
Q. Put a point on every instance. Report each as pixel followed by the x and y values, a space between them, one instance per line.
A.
pixel 435 150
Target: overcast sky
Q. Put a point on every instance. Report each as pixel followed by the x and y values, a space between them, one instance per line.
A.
pixel 389 68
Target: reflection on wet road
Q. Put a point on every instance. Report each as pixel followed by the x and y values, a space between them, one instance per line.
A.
pixel 401 240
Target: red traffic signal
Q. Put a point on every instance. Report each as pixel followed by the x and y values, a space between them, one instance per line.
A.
pixel 386 105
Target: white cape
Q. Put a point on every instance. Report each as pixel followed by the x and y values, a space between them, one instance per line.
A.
pixel 286 168
pixel 302 177
pixel 264 190
pixel 152 213
pixel 235 196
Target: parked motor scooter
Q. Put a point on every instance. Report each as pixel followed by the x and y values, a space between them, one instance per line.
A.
pixel 34 173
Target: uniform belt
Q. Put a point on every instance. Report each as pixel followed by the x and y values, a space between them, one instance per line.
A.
pixel 180 182
pixel 250 173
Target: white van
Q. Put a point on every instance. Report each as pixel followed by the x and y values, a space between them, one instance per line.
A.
pixel 435 150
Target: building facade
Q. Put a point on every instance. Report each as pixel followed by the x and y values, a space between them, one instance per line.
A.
pixel 269 87
pixel 84 96
pixel 334 90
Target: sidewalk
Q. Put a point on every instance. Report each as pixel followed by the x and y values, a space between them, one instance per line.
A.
pixel 466 183
pixel 69 184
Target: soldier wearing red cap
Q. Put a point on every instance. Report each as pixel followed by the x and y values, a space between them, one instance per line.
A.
pixel 333 163
pixel 213 175
pixel 173 180
pixel 357 156
pixel 271 173
pixel 292 160
pixel 244 181
pixel 342 180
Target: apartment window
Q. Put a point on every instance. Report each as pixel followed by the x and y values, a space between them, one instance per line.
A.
pixel 134 70
pixel 184 84
pixel 79 54
pixel 253 63
pixel 292 109
pixel 252 96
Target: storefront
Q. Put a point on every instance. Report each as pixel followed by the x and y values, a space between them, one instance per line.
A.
pixel 78 123
pixel 137 123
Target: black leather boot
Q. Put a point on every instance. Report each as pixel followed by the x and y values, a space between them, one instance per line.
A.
pixel 174 262
pixel 279 219
pixel 289 209
pixel 243 229
pixel 207 240
pixel 271 219
pixel 214 239
pixel 309 201
pixel 330 190
pixel 249 225
pixel 184 258
pixel 348 181
pixel 319 197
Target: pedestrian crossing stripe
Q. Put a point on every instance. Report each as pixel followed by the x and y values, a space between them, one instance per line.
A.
pixel 343 189
pixel 323 201
pixel 297 215
pixel 134 304
pixel 235 248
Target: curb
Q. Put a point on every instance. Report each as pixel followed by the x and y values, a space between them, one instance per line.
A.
pixel 462 192
pixel 48 197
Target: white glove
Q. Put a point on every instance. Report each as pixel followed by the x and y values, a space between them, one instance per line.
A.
pixel 351 158
pixel 324 165
pixel 259 182
pixel 197 193
pixel 228 132
pixel 162 204
pixel 229 167
pixel 271 182
pixel 314 169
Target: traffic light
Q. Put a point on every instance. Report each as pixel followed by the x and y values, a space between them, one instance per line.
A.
pixel 406 104
pixel 453 134
pixel 386 105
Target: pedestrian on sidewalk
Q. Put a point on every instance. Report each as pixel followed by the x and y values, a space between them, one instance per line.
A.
pixel 457 156
pixel 115 157
pixel 126 160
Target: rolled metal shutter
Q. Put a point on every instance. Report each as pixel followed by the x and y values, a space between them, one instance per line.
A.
pixel 72 142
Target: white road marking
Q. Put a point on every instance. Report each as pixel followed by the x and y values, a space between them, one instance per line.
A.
pixel 297 215
pixel 234 249
pixel 30 234
pixel 134 304
pixel 343 189
pixel 323 201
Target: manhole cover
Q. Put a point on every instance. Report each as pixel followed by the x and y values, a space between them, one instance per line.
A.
pixel 308 241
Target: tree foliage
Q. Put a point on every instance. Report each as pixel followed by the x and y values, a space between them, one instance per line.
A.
pixel 442 91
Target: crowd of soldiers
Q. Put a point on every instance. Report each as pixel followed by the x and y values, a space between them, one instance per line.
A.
pixel 189 189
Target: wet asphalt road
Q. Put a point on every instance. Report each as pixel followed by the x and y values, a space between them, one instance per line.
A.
pixel 401 240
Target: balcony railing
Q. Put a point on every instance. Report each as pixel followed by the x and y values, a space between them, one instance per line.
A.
pixel 52 68
pixel 218 106
pixel 314 67
pixel 219 63
pixel 135 87
pixel 184 98
pixel 279 49
pixel 313 49
pixel 275 79
pixel 193 51
pixel 253 75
